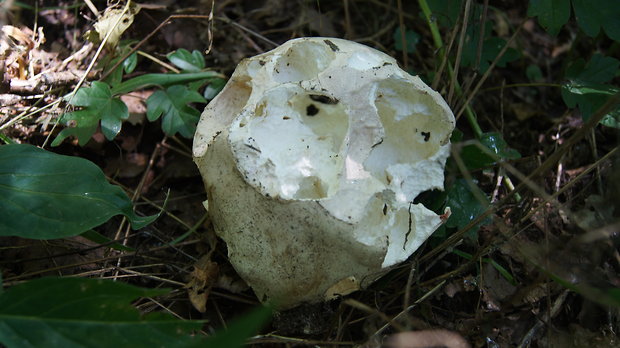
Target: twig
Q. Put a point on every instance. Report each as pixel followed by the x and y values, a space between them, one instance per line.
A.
pixel 406 310
pixel 403 36
pixel 459 51
pixel 13 280
pixel 488 71
pixel 92 8
pixel 557 305
pixel 159 61
pixel 544 167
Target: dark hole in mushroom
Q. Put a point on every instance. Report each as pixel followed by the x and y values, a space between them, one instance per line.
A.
pixel 323 99
pixel 312 110
pixel 427 135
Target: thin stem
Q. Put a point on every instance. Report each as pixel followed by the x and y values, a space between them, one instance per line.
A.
pixel 471 117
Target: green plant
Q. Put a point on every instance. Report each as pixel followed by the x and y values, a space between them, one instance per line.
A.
pixel 81 312
pixel 101 105
pixel 591 15
pixel 587 85
pixel 39 202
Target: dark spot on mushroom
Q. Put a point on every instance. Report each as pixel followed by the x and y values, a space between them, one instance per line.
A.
pixel 286 118
pixel 386 63
pixel 427 135
pixel 377 144
pixel 261 62
pixel 312 110
pixel 253 148
pixel 332 45
pixel 384 209
pixel 323 99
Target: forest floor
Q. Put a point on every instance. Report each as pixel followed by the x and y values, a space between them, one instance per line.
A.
pixel 540 268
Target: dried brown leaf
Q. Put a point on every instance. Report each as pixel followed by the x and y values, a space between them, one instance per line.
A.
pixel 202 278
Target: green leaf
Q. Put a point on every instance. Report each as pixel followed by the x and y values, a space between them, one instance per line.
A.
pixel 116 76
pixel 465 206
pixel 187 61
pixel 552 14
pixel 240 329
pixel 81 313
pixel 599 69
pixel 129 64
pixel 533 73
pixel 476 157
pixel 586 88
pixel 445 12
pixel 178 117
pixel 214 88
pixel 491 47
pixel 591 15
pixel 612 119
pixel 47 196
pixel 149 80
pixel 99 108
pixel 411 37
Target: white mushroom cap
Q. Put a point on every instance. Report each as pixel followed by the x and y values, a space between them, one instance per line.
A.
pixel 312 155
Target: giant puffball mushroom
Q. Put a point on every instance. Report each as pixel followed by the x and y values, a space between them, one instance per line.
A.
pixel 312 156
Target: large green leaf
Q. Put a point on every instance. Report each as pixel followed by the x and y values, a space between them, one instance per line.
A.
pixel 587 87
pixel 494 149
pixel 46 195
pixel 599 69
pixel 445 11
pixel 240 330
pixel 466 202
pixel 99 106
pixel 594 14
pixel 88 313
pixel 552 14
pixel 491 48
pixel 178 117
pixel 591 15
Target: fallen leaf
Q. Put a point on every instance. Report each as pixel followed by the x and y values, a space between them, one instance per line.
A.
pixel 114 22
pixel 343 287
pixel 202 278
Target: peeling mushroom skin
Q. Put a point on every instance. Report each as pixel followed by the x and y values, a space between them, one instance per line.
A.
pixel 312 155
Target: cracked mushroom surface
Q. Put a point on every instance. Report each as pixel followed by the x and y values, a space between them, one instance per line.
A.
pixel 312 156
